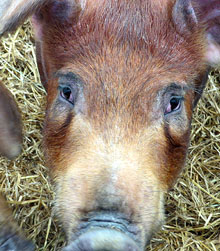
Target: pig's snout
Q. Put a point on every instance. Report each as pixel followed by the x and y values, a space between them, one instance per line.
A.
pixel 105 232
pixel 99 239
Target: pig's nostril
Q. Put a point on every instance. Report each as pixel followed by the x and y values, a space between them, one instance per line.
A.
pixel 101 239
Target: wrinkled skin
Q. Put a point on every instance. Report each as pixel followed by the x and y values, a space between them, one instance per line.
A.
pixel 123 78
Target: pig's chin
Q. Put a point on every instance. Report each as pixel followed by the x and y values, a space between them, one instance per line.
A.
pixel 105 231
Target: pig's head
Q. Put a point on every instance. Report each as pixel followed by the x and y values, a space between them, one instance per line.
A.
pixel 122 79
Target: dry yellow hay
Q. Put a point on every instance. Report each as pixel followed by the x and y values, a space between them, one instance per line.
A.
pixel 192 207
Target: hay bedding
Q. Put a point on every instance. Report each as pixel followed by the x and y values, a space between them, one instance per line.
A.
pixel 192 207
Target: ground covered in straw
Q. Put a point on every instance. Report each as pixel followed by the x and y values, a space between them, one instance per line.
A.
pixel 192 207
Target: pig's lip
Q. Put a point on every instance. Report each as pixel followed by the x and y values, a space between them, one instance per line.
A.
pixel 108 220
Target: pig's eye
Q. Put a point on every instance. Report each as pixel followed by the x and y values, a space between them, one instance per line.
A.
pixel 67 94
pixel 175 104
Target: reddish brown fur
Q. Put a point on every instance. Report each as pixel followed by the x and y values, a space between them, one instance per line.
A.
pixel 140 67
pixel 123 68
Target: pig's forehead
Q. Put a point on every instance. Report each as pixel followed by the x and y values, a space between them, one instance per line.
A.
pixel 139 28
pixel 120 52
pixel 123 66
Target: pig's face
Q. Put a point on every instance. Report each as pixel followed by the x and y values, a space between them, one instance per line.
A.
pixel 122 80
pixel 117 126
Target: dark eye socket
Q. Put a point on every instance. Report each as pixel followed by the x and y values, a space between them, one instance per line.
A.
pixel 67 94
pixel 174 104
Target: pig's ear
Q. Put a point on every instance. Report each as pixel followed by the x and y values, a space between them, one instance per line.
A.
pixel 13 12
pixel 189 15
pixel 56 12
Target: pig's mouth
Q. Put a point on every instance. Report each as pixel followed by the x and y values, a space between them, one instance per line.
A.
pixel 105 232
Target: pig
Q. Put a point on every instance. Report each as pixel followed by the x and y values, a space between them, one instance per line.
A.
pixel 122 81
pixel 10 147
